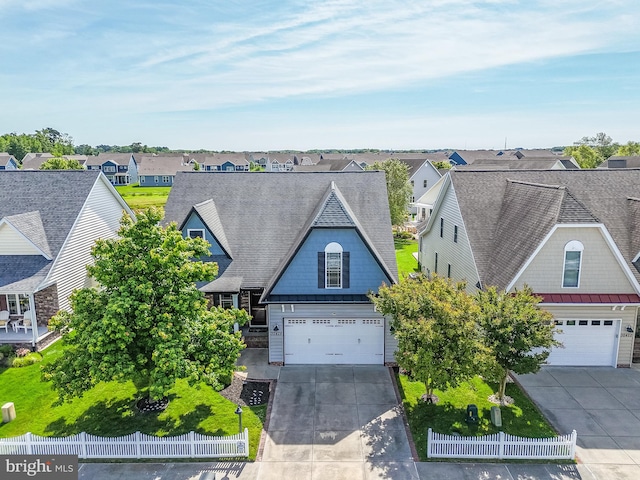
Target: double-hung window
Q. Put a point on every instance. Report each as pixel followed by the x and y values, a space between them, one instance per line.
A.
pixel 333 265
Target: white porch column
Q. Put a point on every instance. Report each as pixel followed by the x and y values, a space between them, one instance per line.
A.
pixel 34 321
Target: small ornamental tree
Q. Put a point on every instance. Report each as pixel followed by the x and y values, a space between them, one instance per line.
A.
pixel 399 189
pixel 147 322
pixel 435 323
pixel 516 332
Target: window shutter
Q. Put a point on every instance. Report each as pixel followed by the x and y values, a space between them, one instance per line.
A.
pixel 345 269
pixel 321 278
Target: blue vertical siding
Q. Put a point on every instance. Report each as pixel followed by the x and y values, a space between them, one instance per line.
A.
pixel 301 276
pixel 194 222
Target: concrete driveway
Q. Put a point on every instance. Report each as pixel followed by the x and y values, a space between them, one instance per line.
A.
pixel 603 405
pixel 338 422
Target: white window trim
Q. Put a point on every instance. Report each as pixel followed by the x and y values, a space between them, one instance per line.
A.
pixel 189 230
pixel 572 246
pixel 332 248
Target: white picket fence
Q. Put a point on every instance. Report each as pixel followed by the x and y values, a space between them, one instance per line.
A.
pixel 501 445
pixel 135 445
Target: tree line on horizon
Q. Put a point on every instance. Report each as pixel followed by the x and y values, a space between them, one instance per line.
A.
pixel 589 152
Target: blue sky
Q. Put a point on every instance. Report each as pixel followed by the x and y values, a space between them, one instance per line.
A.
pixel 262 75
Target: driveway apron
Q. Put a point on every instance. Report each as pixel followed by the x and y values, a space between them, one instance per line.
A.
pixel 338 422
pixel 602 405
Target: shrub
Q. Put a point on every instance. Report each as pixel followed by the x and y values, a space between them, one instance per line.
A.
pixel 22 352
pixel 6 350
pixel 29 359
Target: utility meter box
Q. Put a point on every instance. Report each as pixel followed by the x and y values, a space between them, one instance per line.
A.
pixel 496 416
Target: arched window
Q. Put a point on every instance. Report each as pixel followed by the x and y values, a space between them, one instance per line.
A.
pixel 572 263
pixel 333 265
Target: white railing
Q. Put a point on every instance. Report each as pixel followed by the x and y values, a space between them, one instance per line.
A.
pixel 500 445
pixel 135 445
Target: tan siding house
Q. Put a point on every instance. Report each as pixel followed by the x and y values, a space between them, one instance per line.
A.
pixel 570 235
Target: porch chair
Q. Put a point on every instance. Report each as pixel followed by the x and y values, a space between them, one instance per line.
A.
pixel 25 322
pixel 4 320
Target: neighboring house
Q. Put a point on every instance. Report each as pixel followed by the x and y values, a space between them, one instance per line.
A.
pixel 49 220
pixel 119 168
pixel 422 176
pixel 160 171
pixel 8 162
pixel 573 236
pixel 621 162
pixel 226 162
pixel 300 252
pixel 465 157
pixel 523 163
pixel 32 161
pixel 332 165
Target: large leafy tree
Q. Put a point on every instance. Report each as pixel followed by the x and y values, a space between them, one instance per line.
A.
pixel 517 333
pixel 435 323
pixel 590 152
pixel 399 189
pixel 58 163
pixel 147 322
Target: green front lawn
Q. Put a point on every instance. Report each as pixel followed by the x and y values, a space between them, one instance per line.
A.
pixel 447 416
pixel 405 249
pixel 109 409
pixel 139 198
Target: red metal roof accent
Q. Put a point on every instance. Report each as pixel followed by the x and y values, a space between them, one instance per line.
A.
pixel 589 297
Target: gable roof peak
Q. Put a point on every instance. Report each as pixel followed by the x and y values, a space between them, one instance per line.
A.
pixel 334 210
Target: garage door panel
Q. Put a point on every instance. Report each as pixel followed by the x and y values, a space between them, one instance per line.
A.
pixel 586 343
pixel 338 341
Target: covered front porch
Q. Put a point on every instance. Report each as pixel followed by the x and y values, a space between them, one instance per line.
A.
pixel 30 337
pixel 20 320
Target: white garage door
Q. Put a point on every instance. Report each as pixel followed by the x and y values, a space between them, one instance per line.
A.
pixel 586 343
pixel 332 340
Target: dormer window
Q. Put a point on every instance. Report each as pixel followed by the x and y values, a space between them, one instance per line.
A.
pixel 572 263
pixel 195 233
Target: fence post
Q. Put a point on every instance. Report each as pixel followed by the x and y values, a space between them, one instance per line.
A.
pixel 429 441
pixel 138 449
pixel 574 437
pixel 28 442
pixel 83 444
pixel 246 442
pixel 501 446
pixel 192 444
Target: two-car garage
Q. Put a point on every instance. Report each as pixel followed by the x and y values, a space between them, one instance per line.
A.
pixel 334 341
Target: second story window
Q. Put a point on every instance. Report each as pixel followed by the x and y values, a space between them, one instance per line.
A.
pixel 333 265
pixel 441 227
pixel 455 233
pixel 195 233
pixel 572 263
pixel 424 184
pixel 435 264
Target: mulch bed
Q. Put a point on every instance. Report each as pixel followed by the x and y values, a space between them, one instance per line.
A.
pixel 146 405
pixel 247 392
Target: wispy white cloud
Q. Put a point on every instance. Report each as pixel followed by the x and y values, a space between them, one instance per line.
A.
pixel 127 58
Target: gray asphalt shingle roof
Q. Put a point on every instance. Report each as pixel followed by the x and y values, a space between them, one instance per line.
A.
pixel 44 205
pixel 508 213
pixel 264 214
